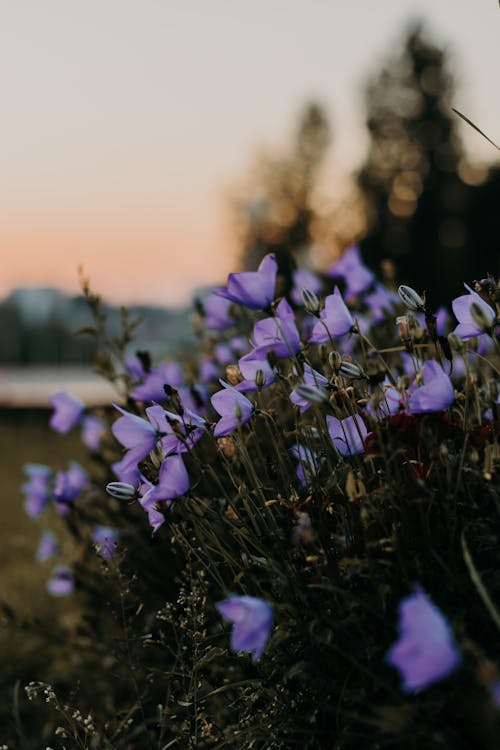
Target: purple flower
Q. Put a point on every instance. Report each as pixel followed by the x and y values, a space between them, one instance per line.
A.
pixel 126 469
pixel 223 353
pixel 348 435
pixel 468 327
pixel 249 365
pixel 173 481
pixel 105 538
pixel 47 547
pixel 135 433
pixel 181 433
pixel 279 334
pixel 304 279
pixel 216 307
pixel 313 378
pixel 135 368
pixel 68 411
pixel 252 620
pixel 349 267
pixel 380 302
pixel 208 370
pixel 425 651
pixel 234 408
pixel 336 320
pixel 308 464
pixel 436 394
pixel 253 289
pixel 61 582
pixel 68 485
pixel 93 429
pixel 37 489
pixel 168 373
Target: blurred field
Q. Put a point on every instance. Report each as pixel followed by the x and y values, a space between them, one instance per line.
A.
pixel 25 437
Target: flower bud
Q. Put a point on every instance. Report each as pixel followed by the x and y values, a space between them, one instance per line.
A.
pixel 121 490
pixel 310 393
pixel 455 342
pixel 260 378
pixel 311 302
pixel 351 370
pixel 411 299
pixel 480 316
pixel 335 360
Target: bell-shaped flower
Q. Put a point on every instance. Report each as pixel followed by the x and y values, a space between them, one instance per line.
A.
pixel 348 435
pixel 173 481
pixel 223 353
pixel 181 433
pixel 135 433
pixel 216 309
pixel 68 485
pixel 468 324
pixel 349 267
pixel 208 370
pixel 436 394
pixel 68 410
pixel 308 463
pixel 251 364
pixel 278 333
pixel 304 279
pixel 252 289
pixel 126 470
pixel 425 651
pixel 153 388
pixel 335 320
pixel 234 408
pixel 36 490
pixel 93 429
pixel 380 302
pixel 61 581
pixel 252 620
pixel 311 378
pixel 47 547
pixel 105 539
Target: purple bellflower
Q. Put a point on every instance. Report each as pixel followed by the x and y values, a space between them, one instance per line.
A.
pixel 436 394
pixel 68 485
pixel 168 373
pixel 252 289
pixel 182 432
pixel 61 582
pixel 135 368
pixel 36 490
pixel 468 327
pixel 348 435
pixel 425 651
pixel 234 408
pixel 252 620
pixel 93 429
pixel 279 334
pixel 139 436
pixel 336 320
pixel 105 539
pixel 380 302
pixel 349 267
pixel 304 279
pixel 223 353
pixel 68 411
pixel 47 547
pixel 313 378
pixel 216 307
pixel 308 464
pixel 173 481
pixel 208 370
pixel 249 365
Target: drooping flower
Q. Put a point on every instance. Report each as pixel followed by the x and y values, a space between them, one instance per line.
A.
pixel 105 539
pixel 349 267
pixel 436 394
pixel 47 547
pixel 469 326
pixel 252 620
pixel 311 378
pixel 153 388
pixel 252 289
pixel 348 435
pixel 234 408
pixel 425 651
pixel 36 490
pixel 93 429
pixel 335 320
pixel 173 481
pixel 278 333
pixel 61 581
pixel 252 363
pixel 68 411
pixel 139 436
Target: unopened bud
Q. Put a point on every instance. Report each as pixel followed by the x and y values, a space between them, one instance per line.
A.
pixel 260 378
pixel 455 342
pixel 480 316
pixel 335 360
pixel 351 370
pixel 310 393
pixel 311 302
pixel 121 490
pixel 411 299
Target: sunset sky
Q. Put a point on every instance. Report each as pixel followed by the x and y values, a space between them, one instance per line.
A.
pixel 126 124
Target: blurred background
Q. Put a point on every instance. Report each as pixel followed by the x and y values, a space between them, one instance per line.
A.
pixel 160 144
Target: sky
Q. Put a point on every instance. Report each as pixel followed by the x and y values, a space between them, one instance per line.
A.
pixel 127 124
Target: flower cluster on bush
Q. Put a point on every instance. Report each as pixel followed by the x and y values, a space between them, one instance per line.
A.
pixel 328 448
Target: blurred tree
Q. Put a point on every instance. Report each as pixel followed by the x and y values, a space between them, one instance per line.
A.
pixel 414 196
pixel 278 216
